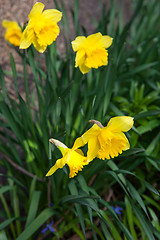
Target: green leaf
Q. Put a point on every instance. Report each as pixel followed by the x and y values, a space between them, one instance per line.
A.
pixel 3 235
pixel 74 191
pixel 144 223
pixel 135 195
pixel 33 207
pixel 147 114
pixel 36 224
pixel 6 223
pixel 5 189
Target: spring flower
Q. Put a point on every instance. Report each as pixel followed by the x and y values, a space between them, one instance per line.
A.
pixel 106 142
pixel 91 51
pixel 42 28
pixel 48 227
pixel 74 158
pixel 118 210
pixel 13 32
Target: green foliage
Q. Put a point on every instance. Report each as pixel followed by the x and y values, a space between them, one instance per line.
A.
pixel 58 102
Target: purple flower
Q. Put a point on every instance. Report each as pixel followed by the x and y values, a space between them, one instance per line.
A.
pixel 48 227
pixel 117 210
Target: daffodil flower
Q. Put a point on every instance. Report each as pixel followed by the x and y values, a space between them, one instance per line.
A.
pixel 13 32
pixel 106 142
pixel 91 51
pixel 42 28
pixel 74 158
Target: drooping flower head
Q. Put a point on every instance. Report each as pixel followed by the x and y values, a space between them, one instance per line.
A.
pixel 106 142
pixel 74 158
pixel 42 28
pixel 91 51
pixel 13 32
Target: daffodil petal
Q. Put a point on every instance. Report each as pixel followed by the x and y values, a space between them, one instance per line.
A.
pixel 52 170
pixel 52 14
pixel 37 9
pixel 122 123
pixel 77 43
pixel 9 24
pixel 127 145
pixel 106 41
pixel 80 57
pixel 91 133
pixel 26 39
pixel 93 148
pixel 78 143
pixel 94 37
pixel 84 69
pixel 60 163
pixel 40 48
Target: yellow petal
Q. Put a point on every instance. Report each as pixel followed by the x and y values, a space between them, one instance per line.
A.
pixel 59 164
pixel 77 43
pixel 92 132
pixel 37 9
pixel 84 69
pixel 106 41
pixel 40 48
pixel 122 123
pixel 9 24
pixel 80 58
pixel 78 143
pixel 93 148
pixel 127 145
pixel 26 39
pixel 94 37
pixel 52 14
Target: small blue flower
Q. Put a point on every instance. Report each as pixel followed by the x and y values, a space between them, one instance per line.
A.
pixel 48 227
pixel 117 210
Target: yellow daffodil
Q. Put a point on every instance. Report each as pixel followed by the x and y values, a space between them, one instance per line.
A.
pixel 13 32
pixel 106 142
pixel 91 51
pixel 74 158
pixel 42 28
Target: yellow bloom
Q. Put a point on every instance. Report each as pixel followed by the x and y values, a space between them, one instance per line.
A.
pixel 42 28
pixel 106 142
pixel 13 32
pixel 91 51
pixel 74 158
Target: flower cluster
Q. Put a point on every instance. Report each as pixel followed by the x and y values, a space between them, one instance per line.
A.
pixel 103 143
pixel 42 30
